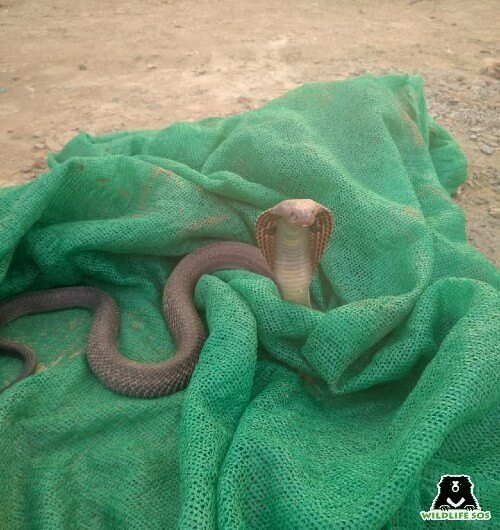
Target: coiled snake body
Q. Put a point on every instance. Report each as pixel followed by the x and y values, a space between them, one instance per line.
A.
pixel 291 237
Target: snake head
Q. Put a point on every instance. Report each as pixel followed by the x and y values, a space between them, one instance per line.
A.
pixel 302 212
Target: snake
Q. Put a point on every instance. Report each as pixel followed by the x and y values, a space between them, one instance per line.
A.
pixel 291 238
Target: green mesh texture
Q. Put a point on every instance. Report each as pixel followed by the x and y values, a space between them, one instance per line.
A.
pixel 342 417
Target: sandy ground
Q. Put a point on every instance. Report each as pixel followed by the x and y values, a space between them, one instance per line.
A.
pixel 101 66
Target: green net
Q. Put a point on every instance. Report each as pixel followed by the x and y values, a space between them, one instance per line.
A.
pixel 294 418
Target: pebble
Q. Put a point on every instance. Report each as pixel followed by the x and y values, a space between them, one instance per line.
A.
pixel 486 149
pixel 52 144
pixel 37 164
pixel 491 68
pixel 495 212
pixel 82 66
pixel 359 71
pixel 152 66
pixel 39 146
pixel 489 139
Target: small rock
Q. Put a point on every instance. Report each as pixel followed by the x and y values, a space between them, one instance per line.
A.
pixel 486 149
pixel 39 146
pixel 39 163
pixel 52 144
pixel 10 131
pixel 138 58
pixel 152 66
pixel 3 90
pixel 488 138
pixel 473 137
pixel 82 66
pixel 37 135
pixel 491 68
pixel 495 212
pixel 242 100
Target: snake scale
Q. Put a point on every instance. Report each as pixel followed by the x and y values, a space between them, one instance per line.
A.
pixel 291 238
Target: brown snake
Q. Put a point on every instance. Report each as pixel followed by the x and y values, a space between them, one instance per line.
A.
pixel 291 237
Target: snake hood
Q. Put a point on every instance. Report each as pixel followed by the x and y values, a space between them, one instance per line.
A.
pixel 290 214
pixel 292 237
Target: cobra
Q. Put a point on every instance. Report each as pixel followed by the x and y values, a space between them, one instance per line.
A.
pixel 291 238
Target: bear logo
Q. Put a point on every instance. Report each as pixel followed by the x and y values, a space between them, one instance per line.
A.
pixel 455 493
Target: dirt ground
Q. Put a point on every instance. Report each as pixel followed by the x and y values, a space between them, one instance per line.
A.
pixel 99 66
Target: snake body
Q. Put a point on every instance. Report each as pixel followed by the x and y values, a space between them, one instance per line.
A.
pixel 288 254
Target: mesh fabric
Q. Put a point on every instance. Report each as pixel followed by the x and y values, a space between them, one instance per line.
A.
pixel 342 417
